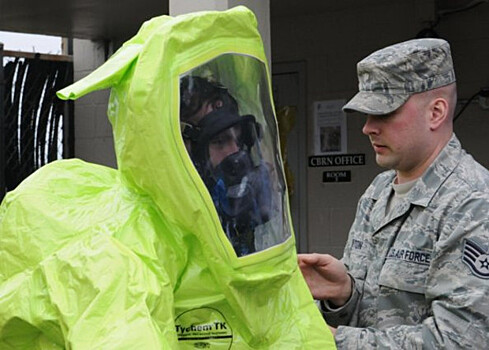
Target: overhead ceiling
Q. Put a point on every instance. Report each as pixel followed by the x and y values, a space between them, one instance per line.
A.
pixel 84 19
pixel 119 20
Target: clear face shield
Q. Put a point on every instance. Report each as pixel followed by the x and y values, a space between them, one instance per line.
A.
pixel 229 130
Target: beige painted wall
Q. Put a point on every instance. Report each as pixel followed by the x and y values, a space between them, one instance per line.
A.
pixel 331 44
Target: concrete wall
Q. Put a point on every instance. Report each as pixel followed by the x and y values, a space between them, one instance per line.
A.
pixel 93 132
pixel 331 44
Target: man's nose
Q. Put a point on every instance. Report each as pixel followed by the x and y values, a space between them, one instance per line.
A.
pixel 370 126
pixel 231 147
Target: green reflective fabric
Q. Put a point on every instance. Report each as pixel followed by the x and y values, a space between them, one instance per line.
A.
pixel 135 258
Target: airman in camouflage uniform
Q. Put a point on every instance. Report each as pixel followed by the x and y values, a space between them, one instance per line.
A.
pixel 418 256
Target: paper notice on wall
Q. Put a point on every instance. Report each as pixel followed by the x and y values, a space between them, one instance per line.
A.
pixel 329 127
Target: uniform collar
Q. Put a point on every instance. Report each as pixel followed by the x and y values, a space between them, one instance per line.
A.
pixel 446 162
pixel 424 189
pixel 430 181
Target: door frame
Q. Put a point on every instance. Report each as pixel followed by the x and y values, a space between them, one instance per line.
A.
pixel 299 68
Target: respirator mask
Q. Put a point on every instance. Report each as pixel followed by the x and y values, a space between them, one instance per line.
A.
pixel 225 150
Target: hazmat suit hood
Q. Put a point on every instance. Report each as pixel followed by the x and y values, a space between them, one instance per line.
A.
pixel 140 257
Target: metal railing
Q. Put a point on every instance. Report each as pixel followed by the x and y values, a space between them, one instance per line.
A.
pixel 35 126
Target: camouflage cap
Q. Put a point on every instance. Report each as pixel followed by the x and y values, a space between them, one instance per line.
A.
pixel 388 77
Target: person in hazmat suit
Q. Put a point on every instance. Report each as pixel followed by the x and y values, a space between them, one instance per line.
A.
pixel 187 244
pixel 225 149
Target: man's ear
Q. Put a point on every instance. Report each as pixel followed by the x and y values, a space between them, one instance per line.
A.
pixel 438 112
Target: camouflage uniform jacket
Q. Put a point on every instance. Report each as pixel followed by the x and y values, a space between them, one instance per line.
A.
pixel 421 273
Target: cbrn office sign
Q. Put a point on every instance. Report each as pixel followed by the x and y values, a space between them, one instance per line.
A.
pixel 337 160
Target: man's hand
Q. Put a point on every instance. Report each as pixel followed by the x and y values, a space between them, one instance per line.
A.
pixel 326 277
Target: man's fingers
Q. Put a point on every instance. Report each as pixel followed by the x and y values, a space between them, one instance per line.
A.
pixel 309 259
pixel 314 259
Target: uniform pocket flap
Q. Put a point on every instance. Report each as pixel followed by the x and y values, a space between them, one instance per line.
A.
pixel 404 275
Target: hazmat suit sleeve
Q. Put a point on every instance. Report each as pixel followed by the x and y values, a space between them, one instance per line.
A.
pixel 73 284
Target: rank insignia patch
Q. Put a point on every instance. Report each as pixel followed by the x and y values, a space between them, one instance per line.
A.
pixel 477 258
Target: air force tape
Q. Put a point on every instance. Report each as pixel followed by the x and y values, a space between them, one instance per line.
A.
pixel 476 257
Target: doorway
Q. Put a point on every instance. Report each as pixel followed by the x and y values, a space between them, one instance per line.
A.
pixel 289 93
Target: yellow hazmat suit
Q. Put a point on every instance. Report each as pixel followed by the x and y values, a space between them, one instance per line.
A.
pixel 138 257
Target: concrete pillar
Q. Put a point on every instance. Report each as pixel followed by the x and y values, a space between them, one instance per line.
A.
pixel 261 9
